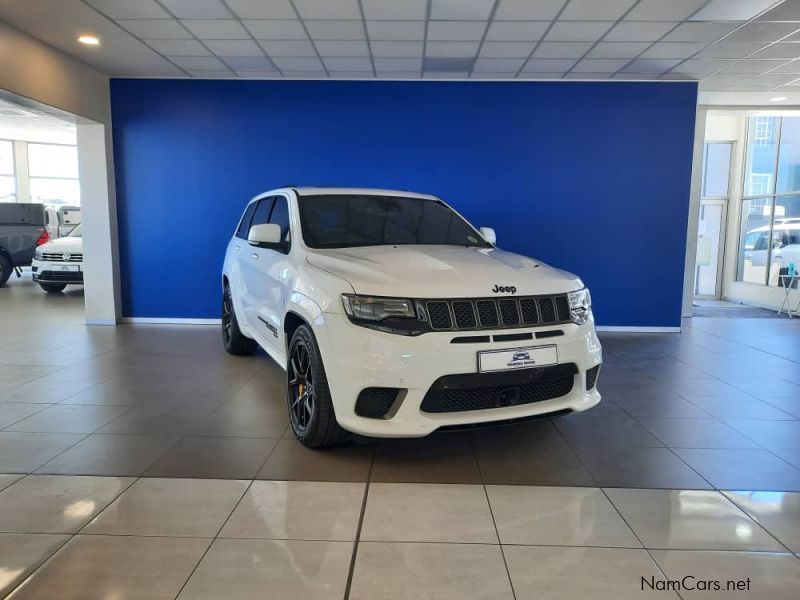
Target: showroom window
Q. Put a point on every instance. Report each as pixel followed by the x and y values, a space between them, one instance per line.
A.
pixel 770 216
pixel 54 174
pixel 8 187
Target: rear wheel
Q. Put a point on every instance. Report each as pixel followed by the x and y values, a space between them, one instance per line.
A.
pixel 233 339
pixel 311 410
pixel 5 269
pixel 53 288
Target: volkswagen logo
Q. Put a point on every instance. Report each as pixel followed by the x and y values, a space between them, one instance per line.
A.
pixel 66 256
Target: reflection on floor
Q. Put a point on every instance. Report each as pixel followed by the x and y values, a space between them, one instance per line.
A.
pixel 141 461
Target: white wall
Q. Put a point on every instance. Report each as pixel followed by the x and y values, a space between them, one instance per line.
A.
pixel 36 74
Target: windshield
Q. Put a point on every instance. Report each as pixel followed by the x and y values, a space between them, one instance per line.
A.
pixel 76 232
pixel 344 221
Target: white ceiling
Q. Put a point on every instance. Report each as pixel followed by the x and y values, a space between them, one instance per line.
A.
pixel 729 45
pixel 29 124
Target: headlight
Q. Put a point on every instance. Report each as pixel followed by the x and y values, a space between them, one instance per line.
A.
pixel 580 306
pixel 37 255
pixel 368 308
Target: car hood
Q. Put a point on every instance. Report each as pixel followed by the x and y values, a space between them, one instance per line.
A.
pixel 64 244
pixel 441 271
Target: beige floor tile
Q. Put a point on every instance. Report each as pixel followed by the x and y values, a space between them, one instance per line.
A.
pixel 558 516
pixel 552 573
pixel 170 507
pixel 298 510
pixel 391 571
pixel 99 567
pixel 777 512
pixel 772 576
pixel 274 569
pixel 7 480
pixel 425 512
pixel 56 503
pixel 689 520
pixel 21 553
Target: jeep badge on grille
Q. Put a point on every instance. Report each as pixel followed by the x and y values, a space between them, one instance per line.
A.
pixel 508 288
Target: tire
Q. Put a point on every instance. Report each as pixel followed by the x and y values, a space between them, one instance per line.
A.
pixel 313 420
pixel 53 288
pixel 234 341
pixel 5 269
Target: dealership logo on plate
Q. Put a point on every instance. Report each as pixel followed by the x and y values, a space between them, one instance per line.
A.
pixel 521 359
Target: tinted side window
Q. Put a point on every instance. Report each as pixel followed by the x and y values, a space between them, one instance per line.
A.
pixel 280 216
pixel 261 216
pixel 244 224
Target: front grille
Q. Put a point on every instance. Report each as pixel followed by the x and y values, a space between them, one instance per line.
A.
pixel 375 402
pixel 479 391
pixel 59 257
pixel 591 377
pixel 463 314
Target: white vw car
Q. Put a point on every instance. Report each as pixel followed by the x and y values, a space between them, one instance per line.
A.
pixel 59 263
pixel 395 317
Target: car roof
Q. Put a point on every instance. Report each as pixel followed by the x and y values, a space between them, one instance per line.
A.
pixel 334 191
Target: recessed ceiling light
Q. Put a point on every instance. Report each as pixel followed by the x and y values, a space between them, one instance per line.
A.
pixel 89 40
pixel 778 99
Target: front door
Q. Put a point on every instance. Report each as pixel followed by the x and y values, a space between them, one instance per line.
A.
pixel 713 219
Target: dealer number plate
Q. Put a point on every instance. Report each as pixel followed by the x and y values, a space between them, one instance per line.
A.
pixel 518 358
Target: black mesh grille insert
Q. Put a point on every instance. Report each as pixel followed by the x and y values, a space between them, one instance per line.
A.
pixel 562 308
pixel 591 377
pixel 375 402
pixel 547 310
pixel 508 311
pixel 459 393
pixel 530 316
pixel 487 313
pixel 464 313
pixel 439 315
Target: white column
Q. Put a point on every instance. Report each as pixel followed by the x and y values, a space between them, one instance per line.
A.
pixel 21 171
pixel 694 211
pixel 99 222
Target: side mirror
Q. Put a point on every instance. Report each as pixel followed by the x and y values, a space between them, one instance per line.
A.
pixel 489 235
pixel 266 234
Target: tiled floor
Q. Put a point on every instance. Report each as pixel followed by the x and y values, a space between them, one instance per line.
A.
pixel 141 461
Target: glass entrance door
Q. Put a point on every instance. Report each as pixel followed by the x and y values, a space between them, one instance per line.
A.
pixel 713 219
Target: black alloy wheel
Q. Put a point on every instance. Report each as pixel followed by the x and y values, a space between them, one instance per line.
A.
pixel 302 397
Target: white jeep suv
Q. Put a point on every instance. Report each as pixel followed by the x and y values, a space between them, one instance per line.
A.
pixel 395 317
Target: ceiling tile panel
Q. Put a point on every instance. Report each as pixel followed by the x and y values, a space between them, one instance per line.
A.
pixel 198 63
pixel 673 49
pixel 343 48
pixel 549 65
pixel 401 49
pixel 639 31
pixel 652 65
pixel 780 50
pixel 288 47
pixel 699 32
pixel 595 10
pixel 753 66
pixel 217 29
pixel 575 31
pixel 456 30
pixel 336 30
pixel 528 10
pixel 276 30
pixel 258 63
pixel 498 65
pixel 507 49
pixel 451 49
pixel 178 47
pixel 328 9
pixel 396 30
pixel 461 10
pixel 408 10
pixel 262 9
pixel 156 29
pixel 730 50
pixel 517 31
pixel 786 11
pixel 234 48
pixel 348 63
pixel 297 63
pixel 762 32
pixel 398 64
pixel 196 9
pixel 599 65
pixel 561 49
pixel 125 9
pixel 617 49
pixel 733 10
pixel 664 10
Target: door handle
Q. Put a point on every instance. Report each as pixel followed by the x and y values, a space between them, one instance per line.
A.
pixel 255 256
pixel 237 248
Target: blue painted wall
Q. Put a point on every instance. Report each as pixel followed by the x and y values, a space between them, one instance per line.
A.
pixel 590 177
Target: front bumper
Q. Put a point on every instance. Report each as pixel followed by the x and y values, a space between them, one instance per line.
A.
pixel 49 272
pixel 357 357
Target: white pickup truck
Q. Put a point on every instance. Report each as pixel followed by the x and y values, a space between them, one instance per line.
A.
pixel 395 317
